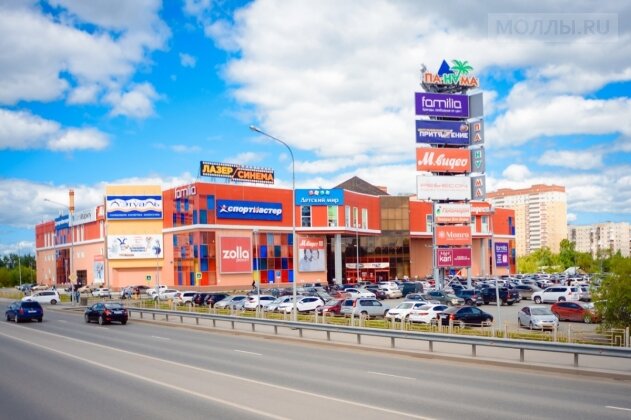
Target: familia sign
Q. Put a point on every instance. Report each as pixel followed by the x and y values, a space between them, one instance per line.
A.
pixel 501 254
pixel 449 106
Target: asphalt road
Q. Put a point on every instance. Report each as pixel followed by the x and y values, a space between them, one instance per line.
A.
pixel 66 369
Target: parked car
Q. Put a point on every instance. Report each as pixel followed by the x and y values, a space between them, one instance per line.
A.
pixel 103 292
pixel 231 302
pixel 557 294
pixel 152 291
pixel 185 297
pixel 526 290
pixel 199 298
pixel 379 293
pixel 46 296
pixel 24 311
pixel 363 306
pixel 411 287
pixel 354 293
pixel 165 294
pixel 254 301
pixel 538 317
pixel 403 309
pixel 575 311
pixel 274 305
pixel 507 295
pixel 585 295
pixel 391 289
pixel 417 296
pixel 211 299
pixel 443 297
pixel 465 315
pixel 304 304
pixel 471 297
pixel 106 312
pixel 333 306
pixel 426 314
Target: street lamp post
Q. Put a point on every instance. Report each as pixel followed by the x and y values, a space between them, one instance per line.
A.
pixel 293 211
pixel 357 251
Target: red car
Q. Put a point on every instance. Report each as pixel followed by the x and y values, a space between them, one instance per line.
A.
pixel 332 306
pixel 575 311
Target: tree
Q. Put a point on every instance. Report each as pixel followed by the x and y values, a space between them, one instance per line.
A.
pixel 613 298
pixel 567 254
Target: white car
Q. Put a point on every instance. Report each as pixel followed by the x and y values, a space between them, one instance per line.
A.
pixel 46 296
pixel 166 294
pixel 426 314
pixel 557 294
pixel 258 300
pixel 102 292
pixel 276 304
pixel 304 304
pixel 152 291
pixel 392 290
pixel 403 309
pixel 354 293
pixel 185 297
pixel 231 302
pixel 539 317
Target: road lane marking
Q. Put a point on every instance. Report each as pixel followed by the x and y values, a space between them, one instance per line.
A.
pixel 208 371
pixel 248 352
pixel 160 338
pixel 618 408
pixel 391 376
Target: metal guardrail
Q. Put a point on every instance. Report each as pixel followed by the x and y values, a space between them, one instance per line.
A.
pixel 522 345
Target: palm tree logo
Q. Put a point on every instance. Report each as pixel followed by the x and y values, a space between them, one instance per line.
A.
pixel 461 67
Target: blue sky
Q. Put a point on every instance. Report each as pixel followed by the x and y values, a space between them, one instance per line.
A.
pixel 117 91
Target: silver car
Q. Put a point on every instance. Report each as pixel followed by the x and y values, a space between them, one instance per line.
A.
pixel 364 306
pixel 231 302
pixel 537 317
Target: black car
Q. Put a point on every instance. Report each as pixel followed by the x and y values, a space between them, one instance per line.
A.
pixel 471 297
pixel 411 287
pixel 200 299
pixel 24 311
pixel 465 315
pixel 213 298
pixel 507 296
pixel 379 293
pixel 106 312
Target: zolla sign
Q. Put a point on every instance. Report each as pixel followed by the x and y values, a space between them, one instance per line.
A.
pixel 456 75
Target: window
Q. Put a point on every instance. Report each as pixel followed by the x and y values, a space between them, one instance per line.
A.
pixel 364 218
pixel 347 216
pixel 429 220
pixel 305 216
pixel 332 216
pixel 355 217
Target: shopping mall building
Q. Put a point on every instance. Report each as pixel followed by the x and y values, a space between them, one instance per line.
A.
pixel 228 235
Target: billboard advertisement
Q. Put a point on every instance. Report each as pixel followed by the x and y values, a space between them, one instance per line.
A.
pixel 98 269
pixel 476 132
pixel 133 207
pixel 501 254
pixel 453 257
pixel 478 163
pixel 452 133
pixel 442 105
pixel 237 172
pixel 320 197
pixel 452 213
pixel 453 235
pixel 443 187
pixel 311 252
pixel 134 246
pixel 430 159
pixel 249 210
pixel 478 187
pixel 235 254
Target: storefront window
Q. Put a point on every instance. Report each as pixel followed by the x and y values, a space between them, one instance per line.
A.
pixel 305 216
pixel 332 216
pixel 347 216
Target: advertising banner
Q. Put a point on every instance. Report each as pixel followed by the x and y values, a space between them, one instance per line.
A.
pixel 478 187
pixel 133 207
pixel 237 172
pixel 430 159
pixel 235 254
pixel 501 254
pixel 452 213
pixel 453 133
pixel 249 210
pixel 98 269
pixel 442 105
pixel 453 257
pixel 134 246
pixel 311 252
pixel 453 235
pixel 320 197
pixel 478 163
pixel 443 187
pixel 476 132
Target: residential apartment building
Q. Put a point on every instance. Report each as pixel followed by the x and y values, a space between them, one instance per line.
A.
pixel 540 215
pixel 601 237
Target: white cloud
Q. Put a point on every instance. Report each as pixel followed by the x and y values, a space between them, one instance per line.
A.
pixel 21 130
pixel 83 95
pixel 516 172
pixel 183 148
pixel 187 60
pixel 581 159
pixel 245 158
pixel 571 217
pixel 135 103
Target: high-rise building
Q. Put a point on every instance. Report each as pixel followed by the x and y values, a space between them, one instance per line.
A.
pixel 601 237
pixel 540 215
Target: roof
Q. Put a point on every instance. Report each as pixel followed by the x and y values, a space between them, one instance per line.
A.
pixel 358 185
